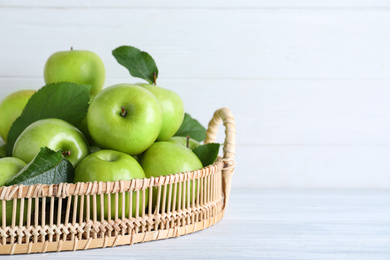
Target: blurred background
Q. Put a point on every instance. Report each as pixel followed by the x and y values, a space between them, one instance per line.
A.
pixel 308 81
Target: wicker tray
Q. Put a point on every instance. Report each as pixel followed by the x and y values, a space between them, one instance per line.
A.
pixel 66 216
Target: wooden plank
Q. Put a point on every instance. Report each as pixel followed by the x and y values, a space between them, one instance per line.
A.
pixel 319 167
pixel 196 4
pixel 278 112
pixel 197 43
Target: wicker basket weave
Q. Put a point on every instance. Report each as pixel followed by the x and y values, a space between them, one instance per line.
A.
pixel 64 217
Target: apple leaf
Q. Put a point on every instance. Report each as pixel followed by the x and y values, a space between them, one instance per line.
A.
pixel 64 100
pixel 139 63
pixel 207 153
pixel 48 167
pixel 191 127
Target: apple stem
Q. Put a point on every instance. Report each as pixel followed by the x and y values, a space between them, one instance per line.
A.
pixel 66 153
pixel 188 141
pixel 124 112
pixel 155 78
pixel 71 48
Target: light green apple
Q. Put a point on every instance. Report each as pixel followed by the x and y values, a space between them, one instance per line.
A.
pixel 172 107
pixel 3 148
pixel 9 167
pixel 110 165
pixel 181 140
pixel 78 66
pixel 164 158
pixel 11 108
pixel 125 118
pixel 55 134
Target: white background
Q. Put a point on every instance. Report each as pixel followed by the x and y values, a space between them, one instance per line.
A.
pixel 308 81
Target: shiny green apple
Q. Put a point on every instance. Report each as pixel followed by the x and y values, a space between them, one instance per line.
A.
pixel 110 165
pixel 9 167
pixel 11 108
pixel 172 107
pixel 164 158
pixel 181 140
pixel 125 118
pixel 55 134
pixel 78 66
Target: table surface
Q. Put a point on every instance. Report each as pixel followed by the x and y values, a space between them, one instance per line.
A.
pixel 276 224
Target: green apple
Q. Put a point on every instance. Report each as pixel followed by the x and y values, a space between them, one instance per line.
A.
pixel 125 118
pixel 173 110
pixel 11 108
pixel 181 140
pixel 110 165
pixel 55 134
pixel 78 66
pixel 3 148
pixel 164 158
pixel 9 167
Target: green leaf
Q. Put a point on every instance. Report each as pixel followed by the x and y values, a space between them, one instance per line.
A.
pixel 207 153
pixel 139 63
pixel 192 128
pixel 65 100
pixel 48 167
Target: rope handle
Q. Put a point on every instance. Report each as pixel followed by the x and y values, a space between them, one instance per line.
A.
pixel 225 116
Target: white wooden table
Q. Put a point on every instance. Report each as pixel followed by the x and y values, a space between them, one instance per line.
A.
pixel 276 224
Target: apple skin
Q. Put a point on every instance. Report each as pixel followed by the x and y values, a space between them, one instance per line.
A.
pixel 132 133
pixel 55 134
pixel 164 158
pixel 110 165
pixel 11 108
pixel 9 167
pixel 172 107
pixel 181 140
pixel 78 66
pixel 3 148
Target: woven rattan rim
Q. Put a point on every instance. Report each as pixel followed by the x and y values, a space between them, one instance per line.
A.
pixel 91 188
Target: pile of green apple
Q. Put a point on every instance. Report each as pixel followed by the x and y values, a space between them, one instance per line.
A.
pixel 127 133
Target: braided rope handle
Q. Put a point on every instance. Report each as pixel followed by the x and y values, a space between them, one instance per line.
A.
pixel 225 116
